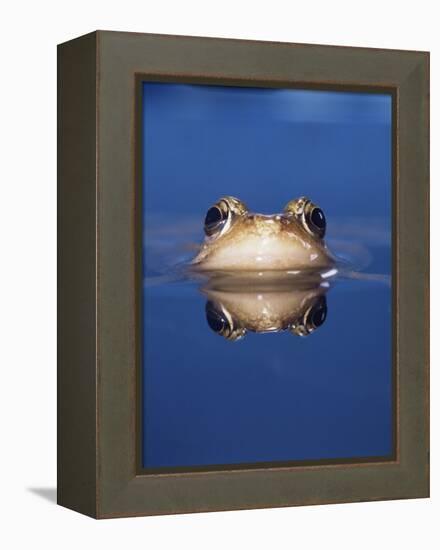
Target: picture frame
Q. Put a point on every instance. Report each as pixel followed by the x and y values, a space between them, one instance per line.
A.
pixel 99 272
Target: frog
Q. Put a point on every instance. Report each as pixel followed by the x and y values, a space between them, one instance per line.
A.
pixel 238 240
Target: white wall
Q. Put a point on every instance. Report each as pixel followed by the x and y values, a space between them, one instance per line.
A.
pixel 29 33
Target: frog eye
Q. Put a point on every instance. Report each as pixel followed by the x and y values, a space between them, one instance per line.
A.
pixel 220 322
pixel 220 216
pixel 310 215
pixel 214 220
pixel 314 317
pixel 317 314
pixel 316 220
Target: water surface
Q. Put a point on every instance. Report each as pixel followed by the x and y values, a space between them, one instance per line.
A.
pixel 268 397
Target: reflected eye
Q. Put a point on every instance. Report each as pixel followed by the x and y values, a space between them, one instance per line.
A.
pixel 313 318
pixel 316 221
pixel 214 220
pixel 214 319
pixel 317 315
pixel 220 322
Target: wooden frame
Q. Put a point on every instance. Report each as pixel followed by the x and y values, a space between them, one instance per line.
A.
pixel 98 272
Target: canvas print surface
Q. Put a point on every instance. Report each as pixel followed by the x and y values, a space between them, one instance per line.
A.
pixel 266 276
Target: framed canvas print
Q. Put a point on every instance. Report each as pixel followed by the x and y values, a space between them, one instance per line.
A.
pixel 243 274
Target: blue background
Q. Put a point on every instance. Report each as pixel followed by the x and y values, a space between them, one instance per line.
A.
pixel 273 397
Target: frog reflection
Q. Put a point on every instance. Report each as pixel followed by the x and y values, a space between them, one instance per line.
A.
pixel 238 240
pixel 300 310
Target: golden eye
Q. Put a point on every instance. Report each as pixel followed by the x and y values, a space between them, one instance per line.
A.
pixel 316 221
pixel 214 220
pixel 220 216
pixel 310 216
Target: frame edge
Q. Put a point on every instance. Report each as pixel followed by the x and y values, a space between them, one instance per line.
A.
pixel 77 271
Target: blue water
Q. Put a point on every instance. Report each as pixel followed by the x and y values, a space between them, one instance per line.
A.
pixel 269 397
